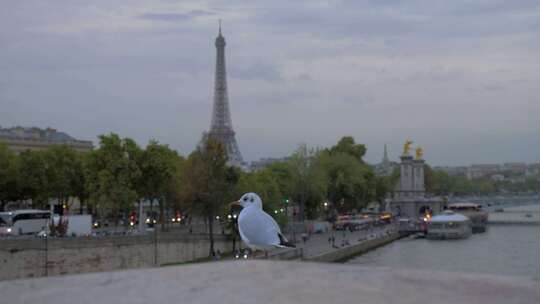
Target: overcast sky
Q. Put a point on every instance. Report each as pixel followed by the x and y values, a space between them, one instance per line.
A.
pixel 460 78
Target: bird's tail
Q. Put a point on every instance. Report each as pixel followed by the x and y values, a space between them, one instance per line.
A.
pixel 284 243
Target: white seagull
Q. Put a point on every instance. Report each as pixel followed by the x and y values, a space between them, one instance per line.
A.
pixel 257 228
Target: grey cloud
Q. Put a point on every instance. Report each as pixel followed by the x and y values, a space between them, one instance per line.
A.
pixel 493 87
pixel 173 17
pixel 304 77
pixel 256 71
pixel 381 70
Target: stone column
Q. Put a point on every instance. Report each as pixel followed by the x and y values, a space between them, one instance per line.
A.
pixel 418 179
pixel 406 180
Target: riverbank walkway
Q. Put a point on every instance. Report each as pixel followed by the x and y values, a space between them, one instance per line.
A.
pixel 321 243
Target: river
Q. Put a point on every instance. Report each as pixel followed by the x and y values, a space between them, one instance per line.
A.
pixel 502 250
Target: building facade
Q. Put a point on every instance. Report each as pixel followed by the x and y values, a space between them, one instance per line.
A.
pixel 19 139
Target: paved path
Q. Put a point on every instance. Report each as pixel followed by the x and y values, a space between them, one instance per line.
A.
pixel 319 244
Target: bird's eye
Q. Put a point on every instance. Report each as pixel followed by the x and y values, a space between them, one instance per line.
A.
pixel 245 199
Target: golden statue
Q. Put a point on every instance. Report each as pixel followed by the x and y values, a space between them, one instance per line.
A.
pixel 407 146
pixel 419 153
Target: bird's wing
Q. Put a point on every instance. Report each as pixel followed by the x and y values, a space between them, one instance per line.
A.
pixel 258 228
pixel 276 226
pixel 283 242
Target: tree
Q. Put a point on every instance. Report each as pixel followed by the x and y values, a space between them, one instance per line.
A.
pixel 158 165
pixel 61 171
pixel 8 177
pixel 173 188
pixel 308 181
pixel 351 184
pixel 348 146
pixel 205 182
pixel 112 179
pixel 79 180
pixel 32 178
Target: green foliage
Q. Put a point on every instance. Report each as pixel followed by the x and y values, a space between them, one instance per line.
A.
pixel 8 177
pixel 205 183
pixel 160 172
pixel 440 183
pixel 347 145
pixel 351 184
pixel 308 181
pixel 114 175
pixel 61 171
pixel 33 178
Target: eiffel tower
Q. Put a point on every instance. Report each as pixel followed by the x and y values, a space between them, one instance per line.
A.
pixel 221 126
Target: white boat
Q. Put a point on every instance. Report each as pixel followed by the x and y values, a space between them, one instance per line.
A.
pixel 474 212
pixel 449 225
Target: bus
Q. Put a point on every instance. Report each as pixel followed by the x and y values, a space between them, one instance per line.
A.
pixel 19 222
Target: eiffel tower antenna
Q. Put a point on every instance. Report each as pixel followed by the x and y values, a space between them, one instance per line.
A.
pixel 221 125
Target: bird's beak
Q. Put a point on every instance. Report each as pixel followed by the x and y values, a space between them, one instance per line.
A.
pixel 235 203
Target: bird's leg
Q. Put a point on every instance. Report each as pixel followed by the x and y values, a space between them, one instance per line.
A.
pixel 266 254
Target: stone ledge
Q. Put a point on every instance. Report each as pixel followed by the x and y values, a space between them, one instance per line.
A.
pixel 256 281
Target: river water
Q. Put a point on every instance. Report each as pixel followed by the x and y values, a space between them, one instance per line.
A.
pixel 502 250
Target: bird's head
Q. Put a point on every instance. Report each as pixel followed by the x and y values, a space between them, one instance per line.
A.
pixel 249 199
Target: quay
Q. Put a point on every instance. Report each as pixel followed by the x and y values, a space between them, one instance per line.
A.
pixel 41 257
pixel 347 244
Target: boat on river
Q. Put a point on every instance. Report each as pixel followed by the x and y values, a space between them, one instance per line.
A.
pixel 474 212
pixel 449 225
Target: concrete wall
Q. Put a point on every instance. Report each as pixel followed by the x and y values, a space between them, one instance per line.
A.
pixel 40 257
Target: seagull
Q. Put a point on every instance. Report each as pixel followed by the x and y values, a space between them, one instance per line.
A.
pixel 257 228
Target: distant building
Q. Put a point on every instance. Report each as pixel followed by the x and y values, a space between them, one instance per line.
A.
pixel 385 167
pixel 518 168
pixel 497 177
pixel 533 170
pixel 482 170
pixel 453 171
pixel 20 139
